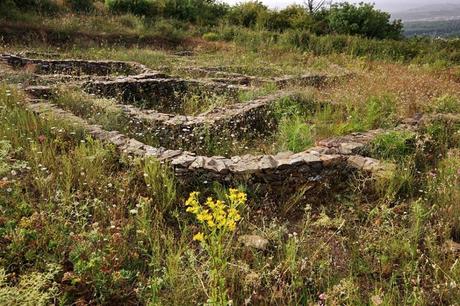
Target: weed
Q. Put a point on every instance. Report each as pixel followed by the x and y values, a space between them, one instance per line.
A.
pixel 161 184
pixel 34 288
pixel 294 134
pixel 445 104
pixel 217 220
pixel 393 145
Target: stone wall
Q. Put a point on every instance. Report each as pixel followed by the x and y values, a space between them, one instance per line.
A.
pixel 323 168
pixel 238 121
pixel 73 67
pixel 162 94
pixel 246 120
pixel 218 74
pixel 272 173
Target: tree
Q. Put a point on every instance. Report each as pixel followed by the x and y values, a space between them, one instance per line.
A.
pixel 315 5
pixel 248 14
pixel 363 19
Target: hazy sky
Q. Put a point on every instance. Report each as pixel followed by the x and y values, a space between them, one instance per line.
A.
pixel 387 5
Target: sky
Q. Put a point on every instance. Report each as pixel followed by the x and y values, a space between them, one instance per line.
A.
pixel 386 5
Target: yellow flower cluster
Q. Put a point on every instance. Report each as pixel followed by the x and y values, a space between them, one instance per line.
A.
pixel 216 215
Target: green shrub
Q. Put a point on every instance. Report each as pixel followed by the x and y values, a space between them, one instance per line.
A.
pixel 393 145
pixel 247 14
pixel 202 12
pixel 445 104
pixel 211 36
pixel 137 7
pixel 363 19
pixel 294 134
pixel 81 6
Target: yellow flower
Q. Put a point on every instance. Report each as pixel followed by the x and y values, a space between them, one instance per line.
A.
pixel 231 225
pixel 210 203
pixel 204 216
pixel 193 209
pixel 237 197
pixel 211 223
pixel 216 216
pixel 234 214
pixel 199 237
pixel 193 199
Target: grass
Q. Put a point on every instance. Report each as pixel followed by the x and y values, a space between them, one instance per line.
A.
pixel 394 145
pixel 81 224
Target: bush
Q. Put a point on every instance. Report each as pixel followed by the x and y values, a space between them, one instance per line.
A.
pixel 47 7
pixel 199 11
pixel 137 7
pixel 81 6
pixel 248 14
pixel 394 145
pixel 363 19
pixel 211 36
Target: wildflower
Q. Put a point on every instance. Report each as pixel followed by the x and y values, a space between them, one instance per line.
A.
pixel 211 223
pixel 231 225
pixel 41 138
pixel 203 216
pixel 217 215
pixel 199 237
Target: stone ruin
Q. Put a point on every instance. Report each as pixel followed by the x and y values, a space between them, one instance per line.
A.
pixel 323 167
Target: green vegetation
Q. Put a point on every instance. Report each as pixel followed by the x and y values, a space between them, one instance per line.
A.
pixel 82 223
pixel 358 30
pixel 438 28
pixel 364 19
pixel 394 145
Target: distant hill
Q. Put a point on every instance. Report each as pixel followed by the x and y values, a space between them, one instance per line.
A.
pixel 434 12
pixel 441 20
pixel 439 28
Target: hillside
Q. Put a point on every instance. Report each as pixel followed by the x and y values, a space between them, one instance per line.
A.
pixel 167 161
pixel 435 12
pixel 440 28
pixel 438 20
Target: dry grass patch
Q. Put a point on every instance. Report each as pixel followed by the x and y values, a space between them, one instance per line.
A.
pixel 412 87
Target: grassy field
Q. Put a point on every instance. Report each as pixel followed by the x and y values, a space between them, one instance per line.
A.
pixel 82 223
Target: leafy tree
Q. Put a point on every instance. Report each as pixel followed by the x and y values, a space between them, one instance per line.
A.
pixel 298 17
pixel 248 14
pixel 81 6
pixel 200 11
pixel 363 19
pixel 136 7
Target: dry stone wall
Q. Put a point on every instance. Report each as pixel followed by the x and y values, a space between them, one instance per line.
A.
pixel 73 67
pixel 218 75
pixel 272 172
pixel 165 94
pixel 325 167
